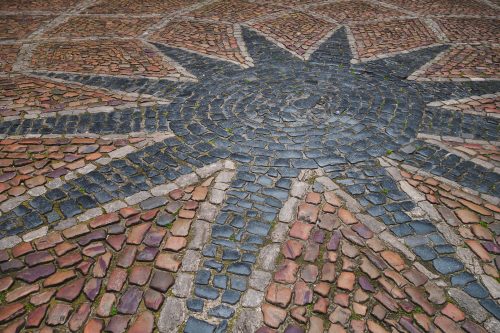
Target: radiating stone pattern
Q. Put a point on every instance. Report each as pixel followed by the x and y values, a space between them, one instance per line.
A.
pixel 312 183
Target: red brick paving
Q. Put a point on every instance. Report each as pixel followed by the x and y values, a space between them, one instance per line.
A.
pixel 21 26
pixel 296 31
pixel 211 38
pixel 445 7
pixel 357 10
pixel 37 5
pixel 85 26
pixel 8 56
pixel 20 95
pixel 110 57
pixel 470 30
pixel 466 61
pixel 138 7
pixel 233 10
pixel 375 39
pixel 480 104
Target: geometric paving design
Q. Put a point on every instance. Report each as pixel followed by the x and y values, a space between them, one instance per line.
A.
pixel 109 57
pixel 467 220
pixel 235 11
pixel 460 29
pixel 464 62
pixel 265 166
pixel 357 10
pixel 446 7
pixel 8 56
pixel 26 95
pixel 481 105
pixel 297 32
pixel 334 268
pixel 29 164
pixel 20 26
pixel 374 39
pixel 210 38
pixel 84 26
pixel 480 152
pixel 36 5
pixel 108 273
pixel 134 7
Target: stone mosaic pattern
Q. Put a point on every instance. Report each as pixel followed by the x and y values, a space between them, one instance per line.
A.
pixel 444 7
pixel 134 7
pixel 87 26
pixel 236 11
pixel 337 275
pixel 33 96
pixel 111 272
pixel 108 57
pixel 285 166
pixel 208 38
pixel 31 165
pixel 486 105
pixel 37 5
pixel 463 62
pixel 374 39
pixel 460 29
pixel 358 10
pixel 8 56
pixel 20 26
pixel 298 32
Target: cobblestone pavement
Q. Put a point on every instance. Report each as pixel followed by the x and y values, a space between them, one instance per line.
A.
pixel 249 166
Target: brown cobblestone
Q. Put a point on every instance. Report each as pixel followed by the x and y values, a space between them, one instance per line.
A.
pixel 375 39
pixel 296 31
pixel 84 26
pixel 130 57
